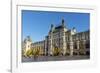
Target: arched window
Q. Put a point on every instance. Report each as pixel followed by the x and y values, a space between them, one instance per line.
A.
pixel 88 44
pixel 75 45
pixel 68 46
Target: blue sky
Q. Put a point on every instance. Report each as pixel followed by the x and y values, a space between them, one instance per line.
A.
pixel 36 24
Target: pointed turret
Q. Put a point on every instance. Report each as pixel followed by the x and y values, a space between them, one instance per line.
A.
pixel 52 27
pixel 63 22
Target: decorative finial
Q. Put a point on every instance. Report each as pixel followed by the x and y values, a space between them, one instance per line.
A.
pixel 73 27
pixel 63 21
pixel 52 26
pixel 29 38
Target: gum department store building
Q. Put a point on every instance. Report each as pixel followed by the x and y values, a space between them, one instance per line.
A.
pixel 68 41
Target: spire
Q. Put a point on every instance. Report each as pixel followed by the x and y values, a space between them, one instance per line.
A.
pixel 74 29
pixel 29 38
pixel 63 22
pixel 52 26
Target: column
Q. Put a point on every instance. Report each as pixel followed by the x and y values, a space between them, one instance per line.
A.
pixel 45 46
pixel 64 44
pixel 84 46
pixel 51 48
pixel 78 47
pixel 71 46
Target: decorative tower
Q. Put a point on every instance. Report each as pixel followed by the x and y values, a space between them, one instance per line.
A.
pixel 50 38
pixel 63 23
pixel 27 43
pixel 64 37
pixel 73 31
pixel 52 27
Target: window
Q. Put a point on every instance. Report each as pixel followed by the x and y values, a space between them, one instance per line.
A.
pixel 74 53
pixel 28 46
pixel 68 46
pixel 87 53
pixel 75 45
pixel 87 44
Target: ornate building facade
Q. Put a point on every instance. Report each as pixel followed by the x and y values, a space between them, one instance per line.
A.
pixel 67 41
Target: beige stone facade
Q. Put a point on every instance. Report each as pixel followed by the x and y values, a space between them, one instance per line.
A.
pixel 67 41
